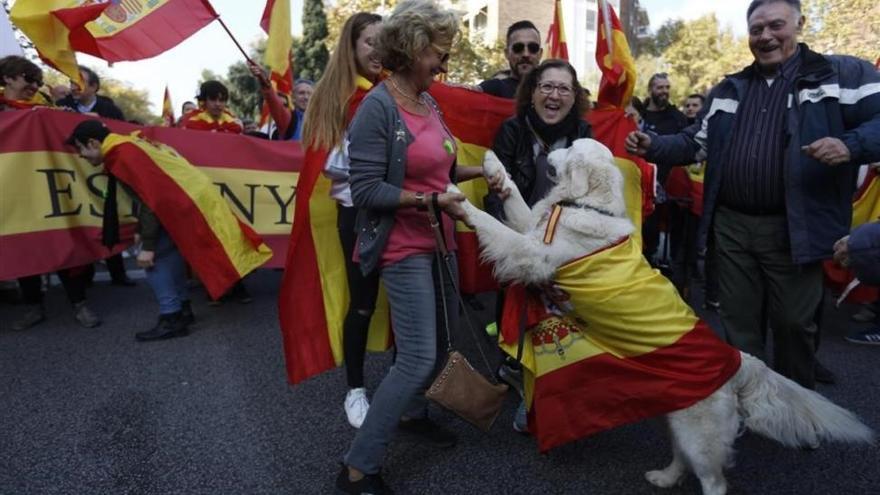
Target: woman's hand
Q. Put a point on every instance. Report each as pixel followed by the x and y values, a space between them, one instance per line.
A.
pixel 496 185
pixel 451 204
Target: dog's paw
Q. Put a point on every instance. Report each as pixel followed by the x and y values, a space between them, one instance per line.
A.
pixel 492 165
pixel 452 188
pixel 663 478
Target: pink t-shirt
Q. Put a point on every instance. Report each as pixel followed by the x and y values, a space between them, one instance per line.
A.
pixel 429 159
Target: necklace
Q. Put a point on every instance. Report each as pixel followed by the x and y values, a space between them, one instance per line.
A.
pixel 413 99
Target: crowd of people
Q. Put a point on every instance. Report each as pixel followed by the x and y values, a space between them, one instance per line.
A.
pixel 777 182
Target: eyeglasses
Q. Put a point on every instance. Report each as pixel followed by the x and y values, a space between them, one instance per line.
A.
pixel 546 88
pixel 32 80
pixel 519 47
pixel 443 55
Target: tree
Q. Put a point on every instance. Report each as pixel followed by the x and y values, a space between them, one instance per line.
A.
pixel 843 27
pixel 668 34
pixel 340 13
pixel 470 63
pixel 696 56
pixel 311 55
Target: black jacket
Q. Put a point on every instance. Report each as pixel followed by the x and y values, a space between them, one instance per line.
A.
pixel 514 146
pixel 104 107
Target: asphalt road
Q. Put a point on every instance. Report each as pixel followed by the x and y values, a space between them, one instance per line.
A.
pixel 91 411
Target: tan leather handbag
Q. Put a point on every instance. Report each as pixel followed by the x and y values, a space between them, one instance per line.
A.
pixel 459 387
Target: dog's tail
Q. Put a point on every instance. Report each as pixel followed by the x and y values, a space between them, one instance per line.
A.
pixel 779 408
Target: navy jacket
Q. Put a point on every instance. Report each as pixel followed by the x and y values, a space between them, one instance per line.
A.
pixel 834 96
pixel 864 253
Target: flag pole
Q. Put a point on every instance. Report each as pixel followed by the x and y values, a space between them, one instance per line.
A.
pixel 246 57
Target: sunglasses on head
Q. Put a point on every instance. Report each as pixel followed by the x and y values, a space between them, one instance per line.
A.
pixel 32 80
pixel 519 47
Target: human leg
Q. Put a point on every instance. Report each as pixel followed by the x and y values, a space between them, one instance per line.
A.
pixel 410 288
pixel 741 285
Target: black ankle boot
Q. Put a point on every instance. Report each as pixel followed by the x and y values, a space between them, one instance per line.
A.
pixel 170 326
pixel 186 313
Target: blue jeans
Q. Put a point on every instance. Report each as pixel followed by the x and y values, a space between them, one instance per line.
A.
pixel 167 277
pixel 420 337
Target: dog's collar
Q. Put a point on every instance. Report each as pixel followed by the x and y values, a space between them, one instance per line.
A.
pixel 571 204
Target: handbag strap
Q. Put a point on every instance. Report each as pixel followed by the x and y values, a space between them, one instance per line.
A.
pixel 444 265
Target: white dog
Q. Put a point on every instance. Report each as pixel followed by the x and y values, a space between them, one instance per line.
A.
pixel 593 217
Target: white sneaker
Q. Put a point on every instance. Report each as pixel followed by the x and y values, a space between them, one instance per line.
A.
pixel 356 406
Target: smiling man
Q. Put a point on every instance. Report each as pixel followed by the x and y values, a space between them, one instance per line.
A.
pixel 783 140
pixel 523 52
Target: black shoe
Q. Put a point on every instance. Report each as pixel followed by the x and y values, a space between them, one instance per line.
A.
pixel 370 484
pixel 186 313
pixel 169 326
pixel 123 282
pixel 427 431
pixel 823 374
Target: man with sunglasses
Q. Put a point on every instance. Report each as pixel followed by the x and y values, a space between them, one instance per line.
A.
pixel 523 53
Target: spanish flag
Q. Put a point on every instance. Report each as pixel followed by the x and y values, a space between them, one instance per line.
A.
pixel 620 346
pixel 212 239
pixel 51 26
pixel 139 29
pixel 167 109
pixel 610 123
pixel 276 23
pixel 615 60
pixel 556 45
pixel 313 299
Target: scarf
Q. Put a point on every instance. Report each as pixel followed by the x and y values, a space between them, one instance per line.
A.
pixel 550 133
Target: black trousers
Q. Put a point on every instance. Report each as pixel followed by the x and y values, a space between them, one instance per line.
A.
pixel 74 281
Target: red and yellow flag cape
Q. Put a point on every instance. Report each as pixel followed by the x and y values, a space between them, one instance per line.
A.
pixel 200 120
pixel 313 299
pixel 218 246
pixel 626 348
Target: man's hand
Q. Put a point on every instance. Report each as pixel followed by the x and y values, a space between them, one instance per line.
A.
pixel 637 143
pixel 828 150
pixel 841 251
pixel 496 183
pixel 145 259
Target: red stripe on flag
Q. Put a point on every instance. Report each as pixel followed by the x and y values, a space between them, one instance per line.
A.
pixel 604 392
pixel 71 247
pixel 192 234
pixel 267 15
pixel 159 30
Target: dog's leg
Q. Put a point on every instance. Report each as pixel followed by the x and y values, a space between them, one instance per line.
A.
pixel 516 256
pixel 705 433
pixel 518 213
pixel 672 474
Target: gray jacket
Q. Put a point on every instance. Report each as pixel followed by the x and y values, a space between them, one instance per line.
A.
pixel 378 143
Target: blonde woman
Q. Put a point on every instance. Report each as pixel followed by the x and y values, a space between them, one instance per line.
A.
pixel 402 156
pixel 352 71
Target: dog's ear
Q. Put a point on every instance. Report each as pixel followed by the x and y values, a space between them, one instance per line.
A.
pixel 578 174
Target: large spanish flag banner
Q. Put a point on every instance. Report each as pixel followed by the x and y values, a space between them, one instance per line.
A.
pixel 50 25
pixel 51 201
pixel 139 29
pixel 313 299
pixel 627 348
pixel 219 247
